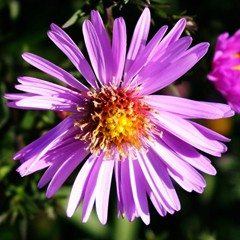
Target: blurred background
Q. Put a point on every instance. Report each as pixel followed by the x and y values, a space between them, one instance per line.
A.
pixel 25 213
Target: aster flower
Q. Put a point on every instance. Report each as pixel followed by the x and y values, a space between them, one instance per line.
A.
pixel 115 126
pixel 225 73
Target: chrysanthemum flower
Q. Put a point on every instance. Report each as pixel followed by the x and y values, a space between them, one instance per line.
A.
pixel 225 73
pixel 115 125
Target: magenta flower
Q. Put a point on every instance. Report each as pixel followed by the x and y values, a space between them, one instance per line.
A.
pixel 225 72
pixel 115 126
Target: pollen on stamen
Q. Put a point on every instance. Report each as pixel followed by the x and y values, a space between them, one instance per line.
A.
pixel 115 119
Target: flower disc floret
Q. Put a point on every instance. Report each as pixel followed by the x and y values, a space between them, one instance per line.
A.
pixel 115 118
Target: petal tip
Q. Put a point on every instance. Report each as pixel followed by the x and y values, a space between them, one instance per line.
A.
pixel 69 213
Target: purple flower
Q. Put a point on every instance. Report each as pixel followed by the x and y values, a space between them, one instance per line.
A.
pixel 225 72
pixel 115 125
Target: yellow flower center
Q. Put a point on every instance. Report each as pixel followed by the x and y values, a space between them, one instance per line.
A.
pixel 115 119
pixel 236 55
pixel 236 67
pixel 119 124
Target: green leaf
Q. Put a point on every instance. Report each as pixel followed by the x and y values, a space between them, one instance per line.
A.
pixel 3 108
pixel 4 170
pixel 78 14
pixel 125 229
pixel 29 120
pixel 14 8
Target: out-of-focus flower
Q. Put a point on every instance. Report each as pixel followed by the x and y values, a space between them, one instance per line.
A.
pixel 225 73
pixel 116 125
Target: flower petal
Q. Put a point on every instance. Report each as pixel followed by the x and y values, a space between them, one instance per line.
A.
pixel 167 72
pixel 105 43
pixel 139 38
pixel 210 133
pixel 16 97
pixel 95 52
pixel 166 56
pixel 44 103
pixel 144 56
pixel 160 209
pixel 188 108
pixel 57 161
pixel 103 189
pixel 126 191
pixel 79 185
pixel 139 191
pixel 48 140
pixel 153 185
pixel 72 161
pixel 90 193
pixel 170 38
pixel 188 154
pixel 45 95
pixel 54 71
pixel 38 154
pixel 186 131
pixel 119 45
pixel 187 173
pixel 75 56
pixel 161 183
pixel 117 173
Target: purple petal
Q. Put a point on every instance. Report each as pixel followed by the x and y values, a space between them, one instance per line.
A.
pixel 187 173
pixel 64 35
pixel 103 189
pixel 95 52
pixel 188 108
pixel 126 191
pixel 119 45
pixel 90 193
pixel 54 71
pixel 139 38
pixel 166 56
pixel 37 156
pixel 72 161
pixel 160 209
pixel 52 158
pixel 145 56
pixel 159 188
pixel 32 165
pixel 139 190
pixel 188 154
pixel 48 140
pixel 162 182
pixel 75 56
pixel 105 43
pixel 56 161
pixel 117 171
pixel 44 103
pixel 174 51
pixel 79 186
pixel 17 96
pixel 227 111
pixel 171 37
pixel 186 131
pixel 210 133
pixel 167 72
pixel 178 178
pixel 47 88
pixel 54 97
